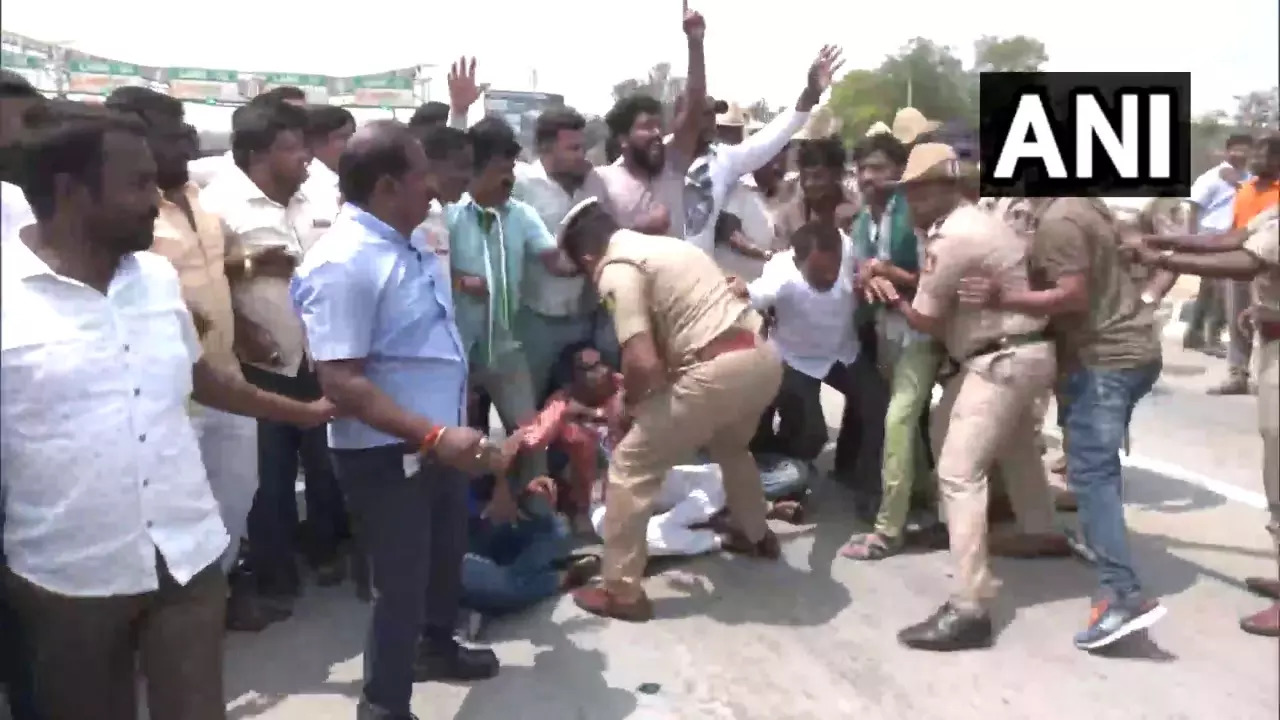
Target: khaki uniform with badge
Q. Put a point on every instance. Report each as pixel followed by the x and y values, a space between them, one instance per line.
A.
pixel 1005 363
pixel 1264 244
pixel 722 376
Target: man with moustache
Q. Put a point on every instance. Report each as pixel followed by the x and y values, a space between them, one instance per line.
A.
pixel 379 315
pixel 204 170
pixel 645 191
pixel 494 239
pixel 264 218
pixel 557 312
pixel 113 535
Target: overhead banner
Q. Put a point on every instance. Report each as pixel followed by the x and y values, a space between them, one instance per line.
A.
pixel 207 86
pixel 100 77
pixel 315 86
pixel 385 90
pixel 37 70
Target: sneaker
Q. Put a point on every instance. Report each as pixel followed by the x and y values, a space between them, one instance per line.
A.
pixel 1111 621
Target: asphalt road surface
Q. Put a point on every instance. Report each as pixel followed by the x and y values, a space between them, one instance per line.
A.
pixel 813 636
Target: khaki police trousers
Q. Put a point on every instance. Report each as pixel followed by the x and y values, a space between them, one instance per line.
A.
pixel 986 417
pixel 714 405
pixel 1268 373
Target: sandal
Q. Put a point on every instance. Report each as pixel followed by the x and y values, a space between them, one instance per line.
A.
pixel 871 546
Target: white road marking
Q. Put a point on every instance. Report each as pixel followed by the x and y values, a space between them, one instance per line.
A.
pixel 1227 490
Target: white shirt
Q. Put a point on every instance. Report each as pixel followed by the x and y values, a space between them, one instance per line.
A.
pixel 543 292
pixel 748 202
pixel 16 212
pixel 1215 197
pixel 252 222
pixel 100 464
pixel 205 170
pixel 690 495
pixel 725 164
pixel 815 329
pixel 433 234
pixel 320 194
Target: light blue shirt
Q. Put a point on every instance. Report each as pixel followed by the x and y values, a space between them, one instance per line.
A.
pixel 365 292
pixel 514 234
pixel 1215 198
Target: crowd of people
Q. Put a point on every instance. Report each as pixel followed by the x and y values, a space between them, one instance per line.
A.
pixel 182 336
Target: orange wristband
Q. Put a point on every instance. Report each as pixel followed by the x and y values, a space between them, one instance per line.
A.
pixel 432 439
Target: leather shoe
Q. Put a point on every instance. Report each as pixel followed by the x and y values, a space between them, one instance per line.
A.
pixel 1265 623
pixel 949 629
pixel 452 661
pixel 1266 587
pixel 599 601
pixel 766 547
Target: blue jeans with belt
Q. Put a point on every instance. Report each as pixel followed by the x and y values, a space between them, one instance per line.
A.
pixel 511 567
pixel 1095 407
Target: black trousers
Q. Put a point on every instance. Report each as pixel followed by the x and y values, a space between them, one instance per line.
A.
pixel 273 520
pixel 802 428
pixel 414 530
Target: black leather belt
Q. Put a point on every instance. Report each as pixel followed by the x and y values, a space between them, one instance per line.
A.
pixel 1006 342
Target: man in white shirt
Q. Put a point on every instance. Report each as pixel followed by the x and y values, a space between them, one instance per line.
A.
pixel 112 534
pixel 206 169
pixel 328 129
pixel 811 291
pixel 264 218
pixel 748 232
pixel 557 312
pixel 1212 197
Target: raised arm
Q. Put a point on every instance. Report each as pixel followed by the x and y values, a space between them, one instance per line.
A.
pixel 688 125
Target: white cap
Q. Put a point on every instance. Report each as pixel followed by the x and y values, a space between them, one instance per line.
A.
pixel 572 215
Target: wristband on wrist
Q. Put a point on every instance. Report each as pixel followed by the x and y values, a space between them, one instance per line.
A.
pixel 432 439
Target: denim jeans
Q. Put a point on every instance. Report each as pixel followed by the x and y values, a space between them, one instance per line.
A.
pixel 511 567
pixel 1096 406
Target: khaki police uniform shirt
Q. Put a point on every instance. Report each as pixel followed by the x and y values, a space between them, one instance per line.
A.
pixel 670 289
pixel 972 242
pixel 1264 244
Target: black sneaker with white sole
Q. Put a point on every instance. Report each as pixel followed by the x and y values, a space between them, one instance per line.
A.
pixel 1112 620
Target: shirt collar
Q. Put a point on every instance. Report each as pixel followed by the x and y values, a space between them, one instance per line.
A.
pixel 25 264
pixel 190 191
pixel 241 188
pixel 373 224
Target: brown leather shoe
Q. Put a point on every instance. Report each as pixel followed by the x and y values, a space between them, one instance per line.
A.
pixel 1024 546
pixel 1265 623
pixel 766 547
pixel 599 601
pixel 1266 587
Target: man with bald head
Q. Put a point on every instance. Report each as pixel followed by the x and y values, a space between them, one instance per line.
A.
pixel 380 324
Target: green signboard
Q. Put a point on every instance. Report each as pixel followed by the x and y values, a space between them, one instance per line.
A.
pixel 201 75
pixel 296 79
pixel 20 60
pixel 102 67
pixel 384 81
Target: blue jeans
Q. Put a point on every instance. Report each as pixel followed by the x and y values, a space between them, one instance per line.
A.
pixel 1095 409
pixel 509 568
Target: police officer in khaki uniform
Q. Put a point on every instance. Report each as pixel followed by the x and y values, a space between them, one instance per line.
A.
pixel 1005 362
pixel 1250 253
pixel 696 376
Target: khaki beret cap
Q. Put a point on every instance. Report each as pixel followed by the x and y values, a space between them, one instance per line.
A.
pixel 931 161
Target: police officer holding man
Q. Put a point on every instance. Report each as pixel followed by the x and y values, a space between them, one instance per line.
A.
pixel 1252 252
pixel 696 376
pixel 1005 362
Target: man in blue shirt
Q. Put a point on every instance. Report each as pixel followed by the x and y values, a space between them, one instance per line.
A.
pixel 380 323
pixel 491 237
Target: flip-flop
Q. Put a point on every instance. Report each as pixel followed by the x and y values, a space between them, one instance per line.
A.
pixel 870 547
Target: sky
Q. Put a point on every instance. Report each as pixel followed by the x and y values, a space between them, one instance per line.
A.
pixel 581 48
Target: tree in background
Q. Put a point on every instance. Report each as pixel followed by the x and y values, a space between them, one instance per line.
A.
pixel 931 78
pixel 1258 110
